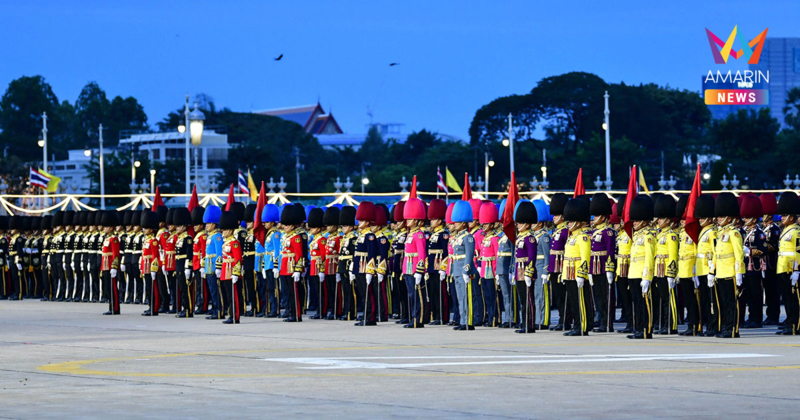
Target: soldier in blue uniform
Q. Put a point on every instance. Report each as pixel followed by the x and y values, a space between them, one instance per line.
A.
pixel 462 267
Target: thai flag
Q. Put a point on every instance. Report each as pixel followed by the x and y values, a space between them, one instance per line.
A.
pixel 440 184
pixel 243 184
pixel 37 179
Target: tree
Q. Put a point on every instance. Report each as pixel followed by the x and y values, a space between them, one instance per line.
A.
pixel 91 109
pixel 123 114
pixel 791 111
pixel 747 140
pixel 21 109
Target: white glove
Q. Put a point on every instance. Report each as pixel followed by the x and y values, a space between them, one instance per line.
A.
pixel 794 277
pixel 747 251
pixel 113 273
pixel 528 281
pixel 264 273
pixel 164 271
pixel 352 277
pixel 380 278
pixel 591 282
pixel 442 275
pixel 203 272
pixel 19 266
pixel 610 277
pixel 187 273
pixel 218 273
pixel 235 279
pixel 26 250
pixel 296 277
pixel 72 266
pixel 545 279
pixel 671 282
pixel 466 278
pixel 321 277
pixel 739 278
pixel 369 278
pixel 417 278
pixel 580 282
pixel 276 272
pixel 338 277
pixel 696 281
pixel 153 275
pixel 711 280
pixel 122 267
pixel 645 286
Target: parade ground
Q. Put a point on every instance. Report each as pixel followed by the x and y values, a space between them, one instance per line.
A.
pixel 66 360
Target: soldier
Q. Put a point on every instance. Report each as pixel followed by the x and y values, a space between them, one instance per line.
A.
pixel 788 261
pixel 541 288
pixel 163 275
pixel 27 236
pixel 16 250
pixel 230 267
pixel 463 263
pixel 727 267
pixel 293 251
pixel 437 252
pixel 167 240
pixel 249 269
pixel 556 258
pixel 364 264
pixel 704 213
pixel 317 250
pixel 126 248
pixel 96 256
pixel 4 260
pixel 772 231
pixel 602 265
pixel 36 246
pixel 755 260
pixel 57 256
pixel 575 274
pixel 623 267
pixel 149 262
pixel 478 300
pixel 86 258
pixel 383 236
pixel 48 289
pixel 415 259
pixel 688 281
pixel 666 266
pixel 213 252
pixel 136 245
pixel 640 272
pixel 185 287
pixel 240 233
pixel 503 271
pixel 78 264
pixel 525 246
pixel 69 247
pixel 203 297
pixel 328 277
pixel 488 248
pixel 347 221
pixel 122 235
pixel 110 260
pixel 400 295
pixel 272 250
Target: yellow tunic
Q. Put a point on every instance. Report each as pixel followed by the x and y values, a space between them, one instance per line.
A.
pixel 666 264
pixel 577 253
pixel 728 253
pixel 687 253
pixel 623 253
pixel 788 257
pixel 643 251
pixel 705 251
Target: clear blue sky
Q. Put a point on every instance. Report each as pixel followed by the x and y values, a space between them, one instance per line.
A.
pixel 455 56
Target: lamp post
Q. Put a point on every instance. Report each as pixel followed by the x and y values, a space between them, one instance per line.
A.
pixel 488 162
pixel 511 142
pixel 102 178
pixel 135 165
pixel 43 145
pixel 607 128
pixel 364 179
pixel 152 181
pixel 192 129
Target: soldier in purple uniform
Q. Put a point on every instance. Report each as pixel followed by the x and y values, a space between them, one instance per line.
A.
pixel 602 265
pixel 525 269
pixel 560 234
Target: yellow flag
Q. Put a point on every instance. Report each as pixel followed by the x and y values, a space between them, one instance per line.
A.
pixel 451 182
pixel 52 185
pixel 642 182
pixel 252 187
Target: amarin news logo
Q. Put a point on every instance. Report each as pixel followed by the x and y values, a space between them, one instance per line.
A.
pixel 747 48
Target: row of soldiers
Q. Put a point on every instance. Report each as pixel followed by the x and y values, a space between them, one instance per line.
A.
pixel 430 264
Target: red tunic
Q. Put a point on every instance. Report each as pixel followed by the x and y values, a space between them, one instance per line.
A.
pixel 231 259
pixel 110 254
pixel 317 252
pixel 150 262
pixel 292 253
pixel 332 253
pixel 198 250
pixel 167 242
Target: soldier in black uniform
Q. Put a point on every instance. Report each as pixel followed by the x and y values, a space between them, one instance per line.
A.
pixel 347 222
pixel 399 294
pixel 48 291
pixel 249 262
pixel 122 235
pixel 28 283
pixel 78 259
pixel 57 257
pixel 185 289
pixel 36 247
pixel 755 254
pixel 363 266
pixel 69 247
pixel 4 260
pixel 91 251
pixel 126 253
pixel 772 233
pixel 135 256
pixel 438 239
pixel 16 249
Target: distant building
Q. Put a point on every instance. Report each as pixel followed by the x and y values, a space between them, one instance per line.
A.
pixel 781 56
pixel 312 118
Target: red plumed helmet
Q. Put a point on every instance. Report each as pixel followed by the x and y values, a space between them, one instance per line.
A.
pixel 488 213
pixel 476 208
pixel 414 210
pixel 397 211
pixel 769 204
pixel 447 218
pixel 380 216
pixel 614 218
pixel 750 207
pixel 437 209
pixel 365 212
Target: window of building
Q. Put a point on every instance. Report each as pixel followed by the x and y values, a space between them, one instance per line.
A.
pixel 796 60
pixel 156 154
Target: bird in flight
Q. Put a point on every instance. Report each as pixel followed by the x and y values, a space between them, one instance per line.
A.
pixel 279 57
pixel 393 64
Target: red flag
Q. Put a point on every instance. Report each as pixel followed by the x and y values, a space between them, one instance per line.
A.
pixel 193 202
pixel 509 228
pixel 466 194
pixel 579 190
pixel 633 190
pixel 413 193
pixel 692 225
pixel 258 228
pixel 157 201
pixel 231 199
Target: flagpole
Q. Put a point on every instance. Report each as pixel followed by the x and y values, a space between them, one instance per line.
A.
pixel 438 172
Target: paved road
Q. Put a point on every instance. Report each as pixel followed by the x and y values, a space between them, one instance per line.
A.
pixel 66 360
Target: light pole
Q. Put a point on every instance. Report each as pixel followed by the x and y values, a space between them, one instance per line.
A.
pixel 135 165
pixel 510 142
pixel 43 145
pixel 102 178
pixel 488 162
pixel 192 128
pixel 364 179
pixel 607 128
pixel 152 181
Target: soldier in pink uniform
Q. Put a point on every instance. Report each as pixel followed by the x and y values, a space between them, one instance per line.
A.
pixel 478 301
pixel 488 248
pixel 414 262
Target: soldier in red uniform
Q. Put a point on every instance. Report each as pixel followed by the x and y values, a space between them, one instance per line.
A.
pixel 231 267
pixel 328 278
pixel 185 288
pixel 292 265
pixel 150 261
pixel 167 240
pixel 109 264
pixel 316 254
pixel 162 235
pixel 198 253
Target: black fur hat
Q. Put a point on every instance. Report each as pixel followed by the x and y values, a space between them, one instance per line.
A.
pixel 680 208
pixel 621 205
pixel 249 213
pixel 291 215
pixel 228 220
pixel 788 204
pixel 149 220
pixel 238 209
pixel 127 215
pixel 136 219
pixel 347 216
pixel 170 215
pixel 577 210
pixel 315 217
pixel 726 205
pixel 58 219
pixel 704 207
pixel 600 206
pixel 47 223
pixel 162 214
pixel 69 217
pixel 83 218
pixel 110 218
pixel 15 223
pixel 557 203
pixel 197 215
pixel 526 213
pixel 642 208
pixel 181 217
pixel 665 207
pixel 331 216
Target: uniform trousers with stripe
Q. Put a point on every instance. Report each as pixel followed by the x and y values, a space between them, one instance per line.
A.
pixel 528 304
pixel 185 289
pixel 665 303
pixel 642 308
pixel 606 300
pixel 581 304
pixel 729 306
pixel 112 291
pixel 791 302
pixel 691 300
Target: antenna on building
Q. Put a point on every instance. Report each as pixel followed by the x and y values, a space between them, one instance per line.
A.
pixel 369 112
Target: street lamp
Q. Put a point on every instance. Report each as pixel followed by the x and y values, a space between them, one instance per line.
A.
pixel 487 163
pixel 511 143
pixel 606 128
pixel 364 179
pixel 152 181
pixel 41 143
pixel 135 165
pixel 194 120
pixel 706 176
pixel 87 152
pixel 506 142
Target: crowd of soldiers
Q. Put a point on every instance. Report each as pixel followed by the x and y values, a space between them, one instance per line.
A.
pixel 425 264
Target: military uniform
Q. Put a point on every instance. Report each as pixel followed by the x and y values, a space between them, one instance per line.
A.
pixel 4 258
pixel 110 261
pixel 666 271
pixel 230 265
pixel 464 274
pixel 525 271
pixel 577 255
pixel 382 267
pixel 687 253
pixel 437 284
pixel 16 254
pixel 364 267
pixel 186 287
pixel 505 258
pixel 772 295
pixel 346 251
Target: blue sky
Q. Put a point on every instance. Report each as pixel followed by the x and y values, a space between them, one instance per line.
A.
pixel 455 56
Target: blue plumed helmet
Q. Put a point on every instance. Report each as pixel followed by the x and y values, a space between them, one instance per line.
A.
pixel 270 214
pixel 502 208
pixel 212 214
pixel 517 207
pixel 542 210
pixel 462 212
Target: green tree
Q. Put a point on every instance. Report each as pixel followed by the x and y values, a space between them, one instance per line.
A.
pixel 21 109
pixel 91 110
pixel 747 140
pixel 791 111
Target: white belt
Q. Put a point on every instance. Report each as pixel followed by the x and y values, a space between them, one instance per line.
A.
pixel 787 254
pixel 701 255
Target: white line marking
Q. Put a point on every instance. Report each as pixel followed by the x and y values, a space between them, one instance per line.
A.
pixel 362 363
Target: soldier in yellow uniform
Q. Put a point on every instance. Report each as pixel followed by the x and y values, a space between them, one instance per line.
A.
pixel 666 266
pixel 575 274
pixel 689 283
pixel 709 307
pixel 727 267
pixel 640 273
pixel 788 261
pixel 623 266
